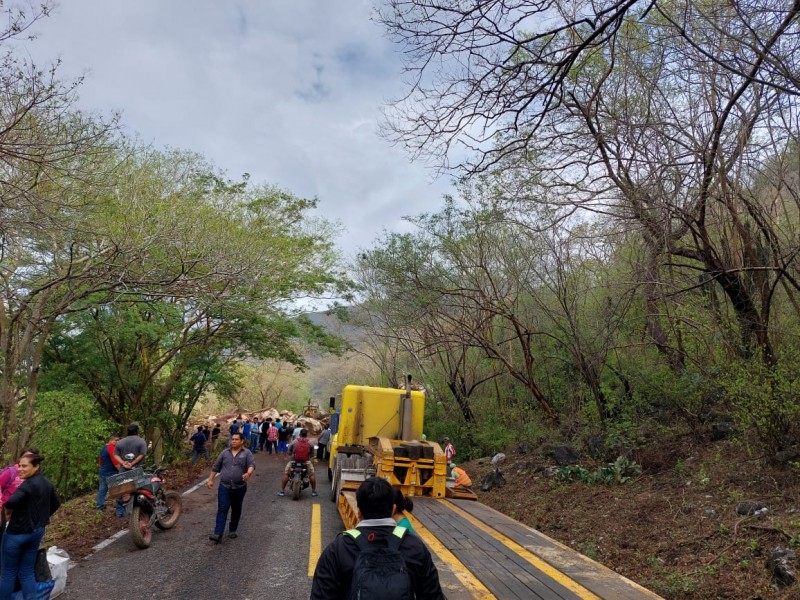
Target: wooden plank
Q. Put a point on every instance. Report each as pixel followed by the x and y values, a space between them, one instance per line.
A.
pixel 503 571
pixel 600 579
pixel 493 575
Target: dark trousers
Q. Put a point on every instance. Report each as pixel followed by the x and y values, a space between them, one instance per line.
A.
pixel 229 499
pixel 322 453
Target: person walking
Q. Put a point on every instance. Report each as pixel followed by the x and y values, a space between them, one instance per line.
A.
pixel 255 434
pixel 272 439
pixel 322 444
pixel 108 466
pixel 235 466
pixel 449 449
pixel 283 438
pixel 376 532
pixel 130 452
pixel 199 440
pixel 31 507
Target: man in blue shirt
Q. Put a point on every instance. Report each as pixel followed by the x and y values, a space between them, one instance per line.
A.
pixel 235 466
pixel 199 444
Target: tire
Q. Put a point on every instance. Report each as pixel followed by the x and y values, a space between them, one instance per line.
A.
pixel 174 508
pixel 337 473
pixel 139 527
pixel 297 485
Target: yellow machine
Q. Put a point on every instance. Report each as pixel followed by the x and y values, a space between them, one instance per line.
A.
pixel 379 433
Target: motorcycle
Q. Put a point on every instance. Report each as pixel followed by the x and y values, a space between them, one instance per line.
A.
pixel 298 479
pixel 147 502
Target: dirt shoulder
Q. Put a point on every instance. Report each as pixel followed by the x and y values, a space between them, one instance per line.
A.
pixel 675 529
pixel 78 527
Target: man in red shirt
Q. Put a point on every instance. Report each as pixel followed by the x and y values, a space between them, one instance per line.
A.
pixel 301 452
pixel 108 466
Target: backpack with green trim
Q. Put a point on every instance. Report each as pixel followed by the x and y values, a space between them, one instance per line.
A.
pixel 380 570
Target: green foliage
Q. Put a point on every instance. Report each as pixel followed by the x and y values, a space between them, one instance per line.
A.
pixel 70 431
pixel 619 472
pixel 765 396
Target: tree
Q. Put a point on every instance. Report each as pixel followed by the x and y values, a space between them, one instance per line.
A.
pixel 225 260
pixel 660 115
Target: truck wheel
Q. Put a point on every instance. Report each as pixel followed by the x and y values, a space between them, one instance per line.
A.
pixel 337 474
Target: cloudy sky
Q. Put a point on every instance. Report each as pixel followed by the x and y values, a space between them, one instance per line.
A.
pixel 289 91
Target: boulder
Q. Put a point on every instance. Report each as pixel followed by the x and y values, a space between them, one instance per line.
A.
pixel 723 429
pixel 566 455
pixel 524 447
pixel 781 564
pixel 749 508
pixel 493 479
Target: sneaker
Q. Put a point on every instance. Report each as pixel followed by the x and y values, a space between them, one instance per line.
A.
pixel 314 494
pixel 233 535
pixel 215 538
pixel 281 493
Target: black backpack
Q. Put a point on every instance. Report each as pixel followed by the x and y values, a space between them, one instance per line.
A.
pixel 380 571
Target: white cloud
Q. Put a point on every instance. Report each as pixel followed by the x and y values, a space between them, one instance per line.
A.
pixel 289 92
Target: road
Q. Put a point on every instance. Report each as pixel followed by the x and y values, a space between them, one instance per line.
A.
pixel 269 559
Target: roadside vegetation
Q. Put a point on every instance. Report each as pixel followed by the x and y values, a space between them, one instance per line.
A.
pixel 617 270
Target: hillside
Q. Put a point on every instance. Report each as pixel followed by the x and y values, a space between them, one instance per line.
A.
pixel 675 529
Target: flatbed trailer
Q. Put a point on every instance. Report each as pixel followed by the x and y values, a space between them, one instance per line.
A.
pixel 481 553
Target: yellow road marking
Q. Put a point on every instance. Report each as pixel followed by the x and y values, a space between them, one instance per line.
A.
pixel 315 544
pixel 523 552
pixel 470 582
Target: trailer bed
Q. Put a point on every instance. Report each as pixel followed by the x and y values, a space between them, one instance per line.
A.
pixel 481 553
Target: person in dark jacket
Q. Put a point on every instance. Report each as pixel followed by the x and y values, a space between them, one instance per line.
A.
pixel 30 509
pixel 375 501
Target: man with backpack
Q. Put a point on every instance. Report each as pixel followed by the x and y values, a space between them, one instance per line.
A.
pixel 301 452
pixel 377 559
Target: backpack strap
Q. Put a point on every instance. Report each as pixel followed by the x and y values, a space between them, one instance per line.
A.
pixel 361 541
pixel 396 538
pixel 393 541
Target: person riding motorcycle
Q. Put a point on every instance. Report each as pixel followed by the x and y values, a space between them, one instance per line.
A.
pixel 300 450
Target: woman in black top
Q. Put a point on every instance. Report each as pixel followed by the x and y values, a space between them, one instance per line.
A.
pixel 30 508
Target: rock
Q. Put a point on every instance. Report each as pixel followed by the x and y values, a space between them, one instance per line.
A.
pixel 710 512
pixel 492 479
pixel 566 455
pixel 749 508
pixel 722 430
pixel 525 448
pixel 498 459
pixel 551 471
pixel 780 562
pixel 784 457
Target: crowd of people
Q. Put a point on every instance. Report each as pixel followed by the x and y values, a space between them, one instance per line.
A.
pixel 28 499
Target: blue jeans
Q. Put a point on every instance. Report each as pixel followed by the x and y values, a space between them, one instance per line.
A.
pixel 19 559
pixel 229 499
pixel 199 452
pixel 103 492
pixel 254 442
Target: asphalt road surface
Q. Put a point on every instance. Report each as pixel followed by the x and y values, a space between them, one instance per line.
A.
pixel 271 557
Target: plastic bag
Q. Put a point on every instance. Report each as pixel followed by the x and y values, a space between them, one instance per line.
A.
pixel 59 565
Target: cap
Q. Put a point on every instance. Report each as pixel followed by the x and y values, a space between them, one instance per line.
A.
pixel 452 465
pixel 446 439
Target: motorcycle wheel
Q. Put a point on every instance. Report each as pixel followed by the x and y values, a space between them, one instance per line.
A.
pixel 139 527
pixel 174 508
pixel 296 487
